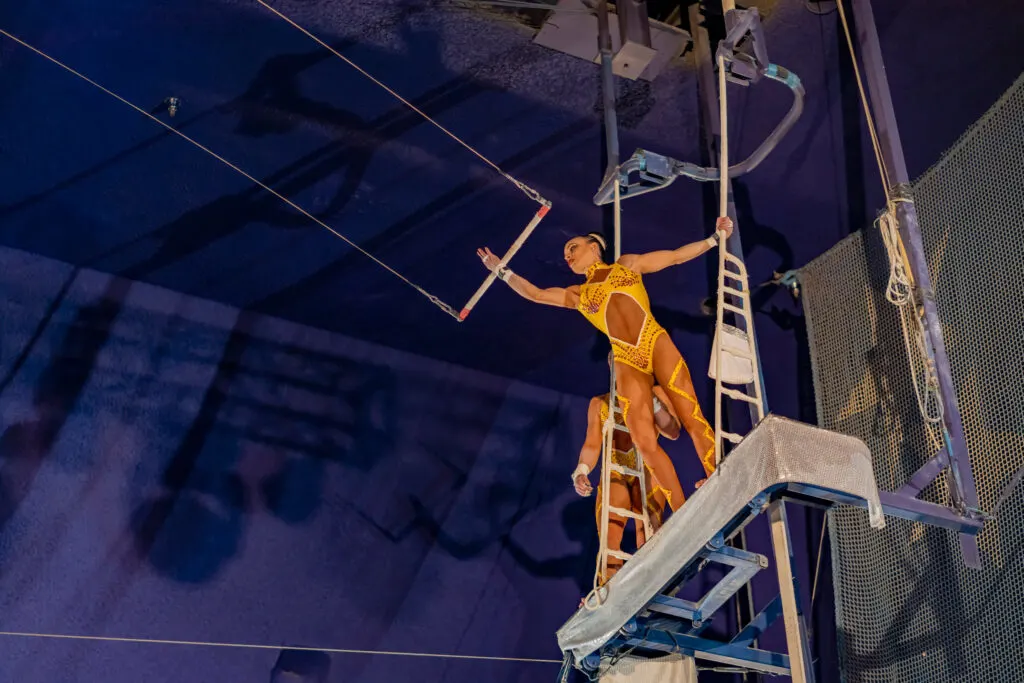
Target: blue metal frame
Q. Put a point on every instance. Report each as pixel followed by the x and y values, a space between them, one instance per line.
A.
pixel 744 566
pixel 640 638
pixel 760 623
pixel 673 625
pixel 962 489
pixel 897 504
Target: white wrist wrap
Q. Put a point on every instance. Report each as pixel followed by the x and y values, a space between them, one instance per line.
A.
pixel 581 468
pixel 504 273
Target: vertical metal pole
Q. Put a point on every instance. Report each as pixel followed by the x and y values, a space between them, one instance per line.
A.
pixel 801 670
pixel 611 132
pixel 611 124
pixel 963 490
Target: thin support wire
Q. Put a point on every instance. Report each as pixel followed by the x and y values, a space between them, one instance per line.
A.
pixel 520 4
pixel 529 191
pixel 255 646
pixel 817 563
pixel 433 299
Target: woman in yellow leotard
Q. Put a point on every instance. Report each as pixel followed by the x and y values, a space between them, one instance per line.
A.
pixel 613 298
pixel 624 491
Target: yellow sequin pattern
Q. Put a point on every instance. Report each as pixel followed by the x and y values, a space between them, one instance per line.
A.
pixel 695 416
pixel 593 304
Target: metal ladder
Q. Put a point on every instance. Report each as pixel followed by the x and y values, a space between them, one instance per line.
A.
pixel 731 343
pixel 610 426
pixel 733 347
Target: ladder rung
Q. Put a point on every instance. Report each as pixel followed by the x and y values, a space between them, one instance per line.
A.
pixel 740 353
pixel 629 472
pixel 739 396
pixel 623 512
pixel 618 554
pixel 735 259
pixel 734 309
pixel 738 277
pixel 734 438
pixel 734 292
pixel 621 428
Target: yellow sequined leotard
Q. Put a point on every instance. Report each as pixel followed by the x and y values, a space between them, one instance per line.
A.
pixel 594 298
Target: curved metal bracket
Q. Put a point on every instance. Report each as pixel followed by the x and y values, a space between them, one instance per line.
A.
pixel 744 47
pixel 746 62
pixel 656 171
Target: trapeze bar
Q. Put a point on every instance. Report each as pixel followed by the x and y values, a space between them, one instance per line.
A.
pixel 777 454
pixel 492 276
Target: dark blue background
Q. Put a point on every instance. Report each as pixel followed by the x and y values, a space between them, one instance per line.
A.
pixel 340 464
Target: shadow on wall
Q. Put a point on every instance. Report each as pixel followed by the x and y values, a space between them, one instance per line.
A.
pixel 26 444
pixel 301 666
pixel 577 524
pixel 946 632
pixel 274 104
pixel 239 425
pixel 270 420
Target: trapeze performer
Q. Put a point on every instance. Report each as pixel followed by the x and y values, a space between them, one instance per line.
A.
pixel 613 298
pixel 624 491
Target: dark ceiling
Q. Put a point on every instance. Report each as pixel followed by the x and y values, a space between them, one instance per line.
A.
pixel 89 181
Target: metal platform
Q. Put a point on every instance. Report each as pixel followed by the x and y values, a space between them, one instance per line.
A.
pixel 779 460
pixel 777 453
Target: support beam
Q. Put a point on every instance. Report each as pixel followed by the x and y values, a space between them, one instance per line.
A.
pixel 801 670
pixel 699 648
pixel 635 50
pixel 893 505
pixel 611 124
pixel 963 490
pixel 759 624
pixel 634 22
pixel 925 475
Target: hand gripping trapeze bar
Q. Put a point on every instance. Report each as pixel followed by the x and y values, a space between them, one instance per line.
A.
pixel 746 62
pixel 545 206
